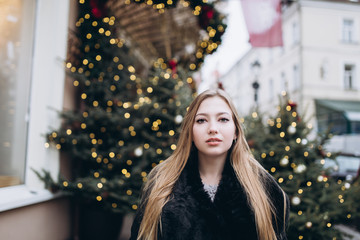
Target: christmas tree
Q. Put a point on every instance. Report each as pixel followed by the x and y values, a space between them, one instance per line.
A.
pixel 283 147
pixel 169 92
pixel 353 216
pixel 123 125
pixel 103 135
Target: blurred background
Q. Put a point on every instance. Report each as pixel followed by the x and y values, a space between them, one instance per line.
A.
pixel 93 93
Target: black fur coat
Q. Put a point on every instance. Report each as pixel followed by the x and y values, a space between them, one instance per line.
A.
pixel 191 215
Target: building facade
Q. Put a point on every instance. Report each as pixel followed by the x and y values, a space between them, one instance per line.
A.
pixel 318 67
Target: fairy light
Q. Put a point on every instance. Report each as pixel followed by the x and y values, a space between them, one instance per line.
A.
pixel 91 65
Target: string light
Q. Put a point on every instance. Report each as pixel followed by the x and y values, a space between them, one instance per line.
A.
pixel 90 66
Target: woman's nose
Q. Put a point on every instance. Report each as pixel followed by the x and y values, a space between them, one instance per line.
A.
pixel 213 129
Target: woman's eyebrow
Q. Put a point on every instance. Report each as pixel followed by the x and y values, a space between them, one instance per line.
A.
pixel 218 114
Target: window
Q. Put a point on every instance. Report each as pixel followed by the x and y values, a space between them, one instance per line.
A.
pixel 16 42
pixel 349 72
pixel 284 83
pixel 296 77
pixel 324 70
pixel 271 89
pixel 295 33
pixel 348 30
pixel 34 59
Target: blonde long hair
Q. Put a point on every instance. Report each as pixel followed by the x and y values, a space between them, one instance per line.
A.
pixel 249 172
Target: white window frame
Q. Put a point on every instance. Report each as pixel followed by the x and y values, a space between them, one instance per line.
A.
pixel 296 77
pixel 353 84
pixel 347 31
pixel 46 98
pixel 271 89
pixel 16 63
pixel 283 83
pixel 295 30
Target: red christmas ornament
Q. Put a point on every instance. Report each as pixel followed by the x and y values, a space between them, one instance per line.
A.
pixel 98 8
pixel 293 105
pixel 207 13
pixel 173 64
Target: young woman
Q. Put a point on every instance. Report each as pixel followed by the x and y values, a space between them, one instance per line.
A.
pixel 211 187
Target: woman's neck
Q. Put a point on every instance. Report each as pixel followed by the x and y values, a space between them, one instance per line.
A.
pixel 211 169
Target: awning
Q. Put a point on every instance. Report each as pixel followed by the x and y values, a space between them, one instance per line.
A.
pixel 342 117
pixel 340 106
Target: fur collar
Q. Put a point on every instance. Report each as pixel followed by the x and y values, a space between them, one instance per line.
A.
pixel 191 215
pixel 228 216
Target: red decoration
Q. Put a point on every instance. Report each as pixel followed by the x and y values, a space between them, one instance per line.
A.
pixel 207 13
pixel 292 105
pixel 98 8
pixel 173 64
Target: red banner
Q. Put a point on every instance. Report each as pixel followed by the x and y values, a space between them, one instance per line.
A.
pixel 263 21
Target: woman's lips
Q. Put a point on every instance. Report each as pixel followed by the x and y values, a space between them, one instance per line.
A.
pixel 213 141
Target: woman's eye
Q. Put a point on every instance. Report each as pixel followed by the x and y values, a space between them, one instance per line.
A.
pixel 201 120
pixel 224 120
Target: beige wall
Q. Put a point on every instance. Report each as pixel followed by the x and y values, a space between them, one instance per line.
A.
pixel 46 221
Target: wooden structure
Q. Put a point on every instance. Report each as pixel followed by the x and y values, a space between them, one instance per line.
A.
pixel 171 34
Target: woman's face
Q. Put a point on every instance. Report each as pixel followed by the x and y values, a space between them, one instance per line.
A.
pixel 214 128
